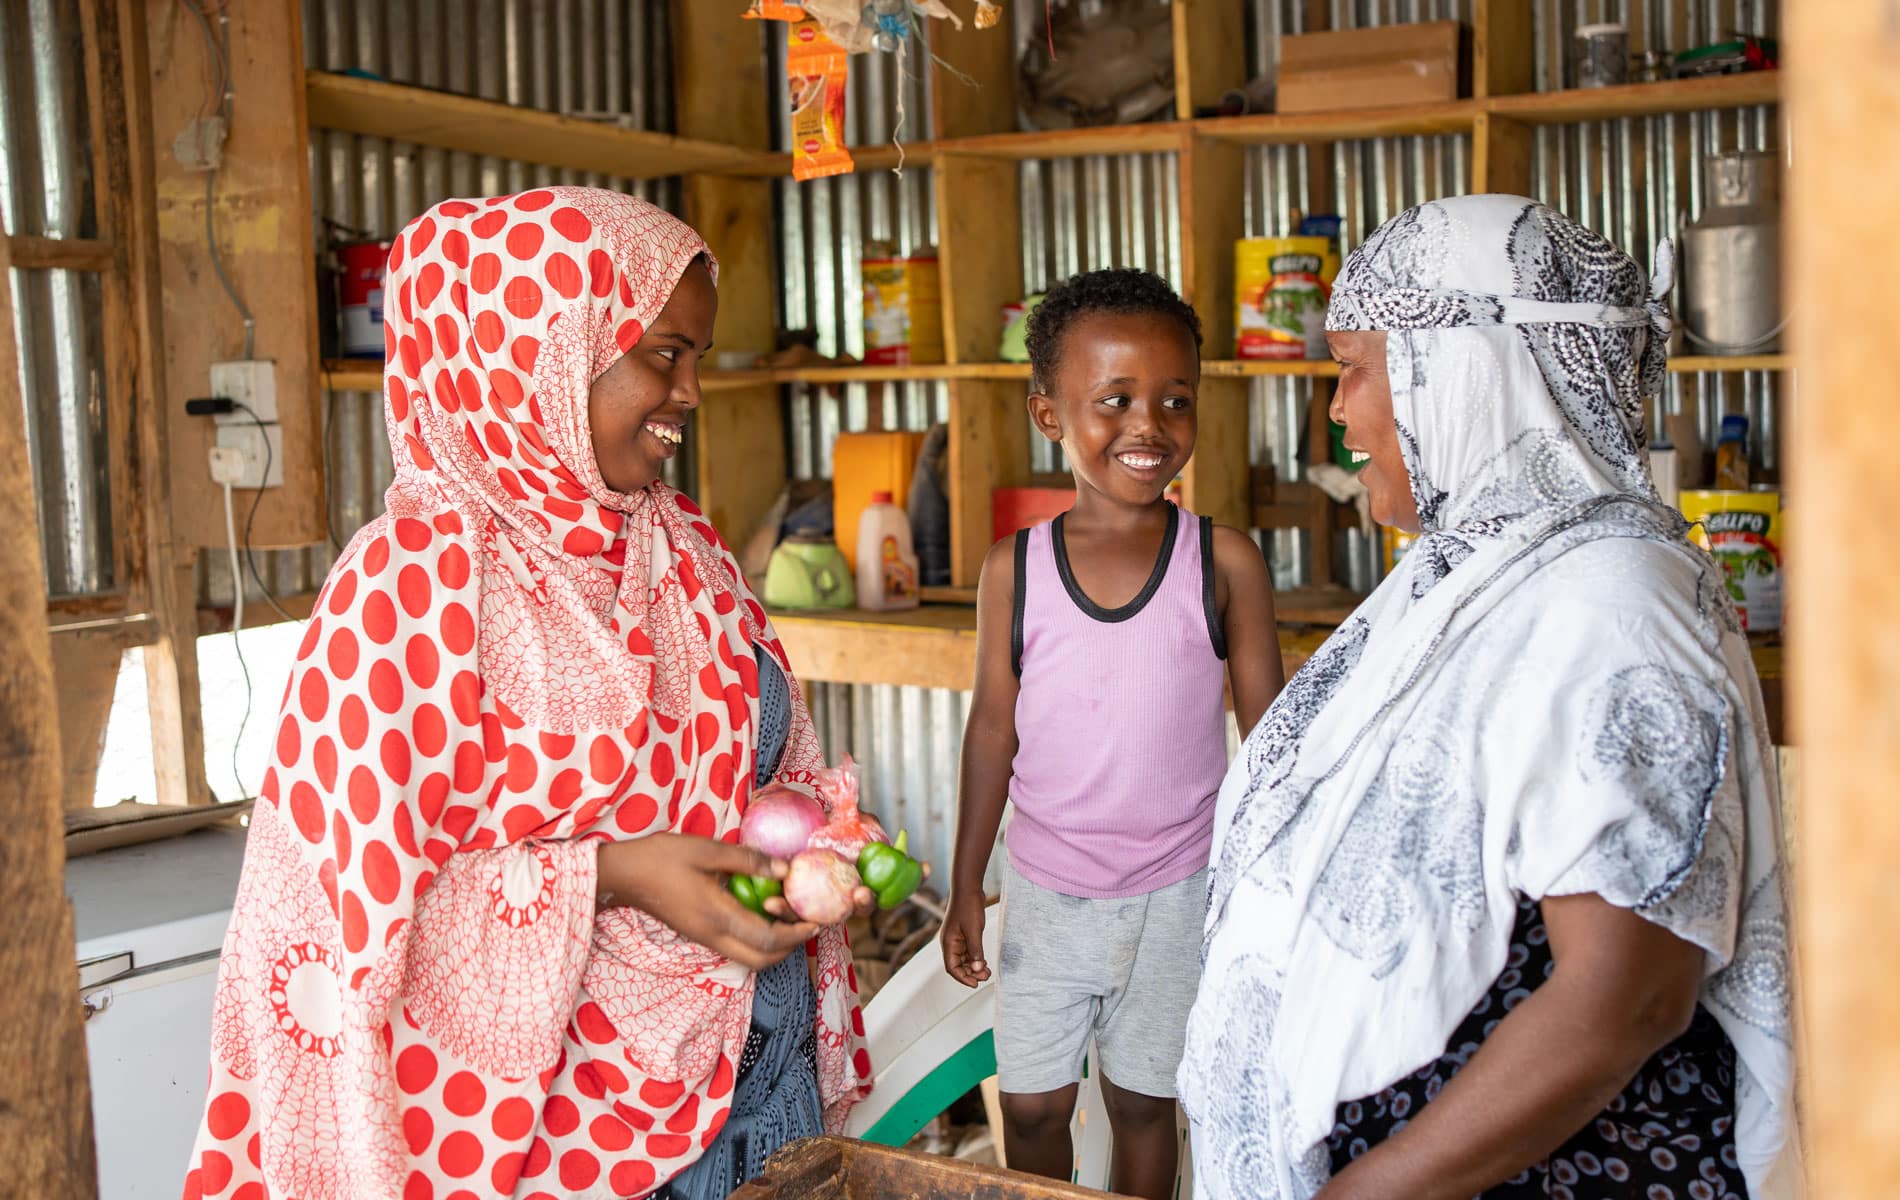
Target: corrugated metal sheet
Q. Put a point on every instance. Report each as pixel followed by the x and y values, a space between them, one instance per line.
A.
pixel 571 56
pixel 46 191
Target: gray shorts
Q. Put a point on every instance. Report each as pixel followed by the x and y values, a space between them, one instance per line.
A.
pixel 1123 972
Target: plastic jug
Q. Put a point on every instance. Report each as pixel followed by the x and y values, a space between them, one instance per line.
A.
pixel 887 563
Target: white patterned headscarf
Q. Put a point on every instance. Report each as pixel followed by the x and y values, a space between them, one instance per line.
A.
pixel 1550 695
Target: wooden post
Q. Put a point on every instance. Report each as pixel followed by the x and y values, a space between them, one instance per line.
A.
pixel 1217 482
pixel 979 220
pixel 263 225
pixel 1843 103
pixel 161 582
pixel 1501 158
pixel 989 448
pixel 45 1102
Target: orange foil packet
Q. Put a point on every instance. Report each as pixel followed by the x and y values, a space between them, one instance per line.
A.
pixel 816 71
pixel 774 10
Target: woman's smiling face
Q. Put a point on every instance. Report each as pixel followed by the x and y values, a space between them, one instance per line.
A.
pixel 637 409
pixel 1363 404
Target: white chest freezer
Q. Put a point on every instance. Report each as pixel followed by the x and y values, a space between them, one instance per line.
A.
pixel 149 921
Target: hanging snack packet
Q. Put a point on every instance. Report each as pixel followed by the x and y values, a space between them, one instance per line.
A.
pixel 774 10
pixel 816 71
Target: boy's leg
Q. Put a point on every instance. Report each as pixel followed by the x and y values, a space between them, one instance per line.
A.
pixel 1143 1033
pixel 1036 1132
pixel 1047 1001
pixel 1147 1142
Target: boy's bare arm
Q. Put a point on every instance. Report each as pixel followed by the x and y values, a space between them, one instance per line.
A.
pixel 989 755
pixel 1254 666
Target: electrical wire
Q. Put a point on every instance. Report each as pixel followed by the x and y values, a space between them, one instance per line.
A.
pixel 220 52
pixel 237 636
pixel 250 521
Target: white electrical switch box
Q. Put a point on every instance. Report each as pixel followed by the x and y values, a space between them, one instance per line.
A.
pixel 263 452
pixel 251 383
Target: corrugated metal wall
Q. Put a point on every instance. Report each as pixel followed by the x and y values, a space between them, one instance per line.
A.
pixel 46 191
pixel 1637 180
pixel 568 56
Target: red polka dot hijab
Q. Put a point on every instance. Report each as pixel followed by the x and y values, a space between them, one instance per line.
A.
pixel 417 996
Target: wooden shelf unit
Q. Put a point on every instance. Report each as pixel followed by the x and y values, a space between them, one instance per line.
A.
pixel 723 147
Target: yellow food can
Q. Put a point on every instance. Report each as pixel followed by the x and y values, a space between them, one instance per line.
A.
pixel 1281 288
pixel 1742 532
pixel 1397 542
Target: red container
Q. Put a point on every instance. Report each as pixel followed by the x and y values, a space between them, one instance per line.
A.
pixel 361 287
pixel 1012 509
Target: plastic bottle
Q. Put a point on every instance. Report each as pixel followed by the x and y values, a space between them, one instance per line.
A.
pixel 887 563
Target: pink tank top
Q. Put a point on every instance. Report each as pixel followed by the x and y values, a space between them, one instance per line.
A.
pixel 1121 721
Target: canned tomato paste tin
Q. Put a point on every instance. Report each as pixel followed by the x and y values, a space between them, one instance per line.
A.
pixel 360 283
pixel 1281 286
pixel 1742 532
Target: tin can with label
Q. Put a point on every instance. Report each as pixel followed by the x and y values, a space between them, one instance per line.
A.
pixel 903 308
pixel 360 285
pixel 1281 288
pixel 1742 532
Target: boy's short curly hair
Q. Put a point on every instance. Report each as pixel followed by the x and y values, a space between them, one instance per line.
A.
pixel 1115 290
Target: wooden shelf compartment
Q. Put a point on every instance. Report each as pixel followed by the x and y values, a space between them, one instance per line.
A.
pixel 455 122
pixel 931 647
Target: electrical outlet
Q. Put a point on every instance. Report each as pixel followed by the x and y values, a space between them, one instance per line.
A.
pixel 227 465
pixel 247 441
pixel 252 383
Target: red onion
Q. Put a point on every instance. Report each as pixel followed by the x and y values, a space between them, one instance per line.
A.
pixel 848 831
pixel 780 821
pixel 820 886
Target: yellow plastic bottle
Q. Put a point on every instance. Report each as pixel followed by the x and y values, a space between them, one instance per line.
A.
pixel 887 563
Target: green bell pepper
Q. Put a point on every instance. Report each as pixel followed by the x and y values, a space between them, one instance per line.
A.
pixel 889 872
pixel 754 890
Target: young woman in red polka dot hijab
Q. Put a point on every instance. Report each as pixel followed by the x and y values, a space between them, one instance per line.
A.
pixel 480 947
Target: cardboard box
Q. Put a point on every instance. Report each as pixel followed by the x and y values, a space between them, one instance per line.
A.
pixel 1381 67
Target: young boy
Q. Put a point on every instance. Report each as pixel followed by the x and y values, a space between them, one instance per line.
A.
pixel 1103 641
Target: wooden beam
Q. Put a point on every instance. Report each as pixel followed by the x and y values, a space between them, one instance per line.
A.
pixel 1843 253
pixel 1502 152
pixel 979 224
pixel 61 254
pixel 973 90
pixel 1210 53
pixel 1212 180
pixel 161 582
pixel 739 438
pixel 1501 60
pixel 262 220
pixel 45 1101
pixel 989 448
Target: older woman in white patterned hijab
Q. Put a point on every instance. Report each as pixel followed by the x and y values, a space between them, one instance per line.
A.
pixel 1498 905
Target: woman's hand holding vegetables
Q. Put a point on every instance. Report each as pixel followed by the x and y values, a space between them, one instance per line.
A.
pixel 680 881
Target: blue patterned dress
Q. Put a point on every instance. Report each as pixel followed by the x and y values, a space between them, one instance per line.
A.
pixel 1669 1135
pixel 776 1100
